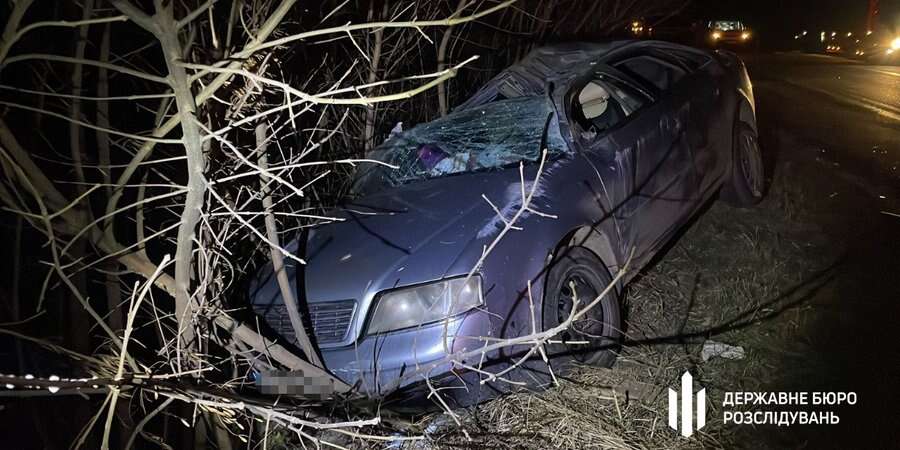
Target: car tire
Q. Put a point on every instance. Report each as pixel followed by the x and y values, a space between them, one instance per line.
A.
pixel 601 326
pixel 746 184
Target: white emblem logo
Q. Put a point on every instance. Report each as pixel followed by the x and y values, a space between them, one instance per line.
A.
pixel 687 400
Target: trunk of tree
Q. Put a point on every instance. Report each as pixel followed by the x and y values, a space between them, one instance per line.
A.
pixel 442 59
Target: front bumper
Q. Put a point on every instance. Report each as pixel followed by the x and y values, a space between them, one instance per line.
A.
pixel 382 364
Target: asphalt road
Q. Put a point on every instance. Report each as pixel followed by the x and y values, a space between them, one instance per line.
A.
pixel 847 110
pixel 837 123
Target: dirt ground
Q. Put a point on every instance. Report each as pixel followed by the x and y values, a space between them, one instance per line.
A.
pixel 805 283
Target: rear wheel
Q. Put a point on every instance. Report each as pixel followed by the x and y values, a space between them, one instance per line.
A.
pixel 575 280
pixel 747 183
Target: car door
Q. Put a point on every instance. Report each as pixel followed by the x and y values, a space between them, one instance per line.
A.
pixel 644 150
pixel 666 175
pixel 707 124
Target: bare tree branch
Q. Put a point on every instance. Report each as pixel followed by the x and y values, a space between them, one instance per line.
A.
pixel 287 293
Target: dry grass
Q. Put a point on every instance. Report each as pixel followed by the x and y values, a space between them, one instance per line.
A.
pixel 735 276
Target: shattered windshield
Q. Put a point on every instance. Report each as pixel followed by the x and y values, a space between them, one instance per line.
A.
pixel 491 136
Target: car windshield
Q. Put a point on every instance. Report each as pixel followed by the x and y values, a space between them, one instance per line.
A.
pixel 727 25
pixel 491 136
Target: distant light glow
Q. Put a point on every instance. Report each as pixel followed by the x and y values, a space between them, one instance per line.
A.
pixel 895 44
pixel 637 27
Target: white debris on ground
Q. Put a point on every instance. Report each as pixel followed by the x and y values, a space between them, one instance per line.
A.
pixel 712 349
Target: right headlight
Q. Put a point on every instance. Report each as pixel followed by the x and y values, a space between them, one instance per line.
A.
pixel 419 305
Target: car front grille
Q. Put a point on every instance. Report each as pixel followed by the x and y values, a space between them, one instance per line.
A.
pixel 330 320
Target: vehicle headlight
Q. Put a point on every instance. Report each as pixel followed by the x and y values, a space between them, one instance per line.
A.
pixel 716 35
pixel 895 44
pixel 745 36
pixel 418 305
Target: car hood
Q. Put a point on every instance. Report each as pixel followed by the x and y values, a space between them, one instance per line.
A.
pixel 408 235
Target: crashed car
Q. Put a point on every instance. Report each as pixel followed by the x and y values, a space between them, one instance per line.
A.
pixel 613 146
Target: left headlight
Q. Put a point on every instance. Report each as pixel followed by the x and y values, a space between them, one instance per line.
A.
pixel 418 305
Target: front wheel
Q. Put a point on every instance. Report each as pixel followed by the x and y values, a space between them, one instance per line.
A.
pixel 576 279
pixel 747 182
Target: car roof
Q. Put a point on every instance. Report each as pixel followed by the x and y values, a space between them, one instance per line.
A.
pixel 556 64
pixel 555 60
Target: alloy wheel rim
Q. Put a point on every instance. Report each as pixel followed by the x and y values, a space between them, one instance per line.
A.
pixel 577 287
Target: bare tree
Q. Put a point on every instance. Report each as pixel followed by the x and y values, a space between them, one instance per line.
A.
pixel 195 155
pixel 217 203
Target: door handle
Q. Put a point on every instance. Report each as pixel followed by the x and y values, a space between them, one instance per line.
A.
pixel 670 124
pixel 666 124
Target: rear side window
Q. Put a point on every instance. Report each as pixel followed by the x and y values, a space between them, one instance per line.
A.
pixel 653 71
pixel 604 103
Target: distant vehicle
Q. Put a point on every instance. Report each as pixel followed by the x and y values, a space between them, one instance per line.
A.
pixel 877 47
pixel 638 134
pixel 893 50
pixel 679 28
pixel 728 32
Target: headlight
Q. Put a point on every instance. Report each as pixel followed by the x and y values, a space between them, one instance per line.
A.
pixel 716 36
pixel 895 44
pixel 418 305
pixel 745 36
